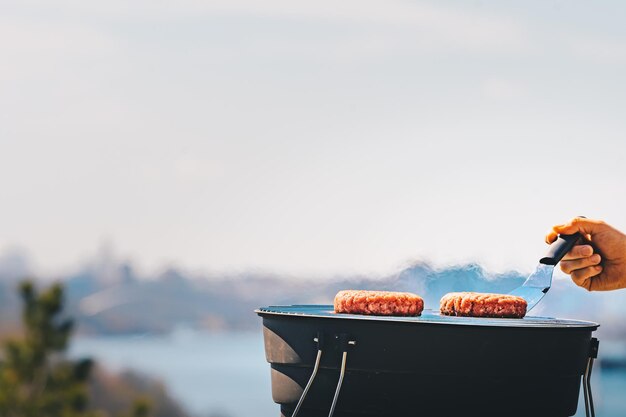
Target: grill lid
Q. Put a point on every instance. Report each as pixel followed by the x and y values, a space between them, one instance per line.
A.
pixel 427 317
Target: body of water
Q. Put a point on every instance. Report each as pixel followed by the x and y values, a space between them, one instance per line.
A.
pixel 226 373
pixel 219 373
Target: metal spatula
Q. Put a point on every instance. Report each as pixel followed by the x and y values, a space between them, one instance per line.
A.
pixel 538 283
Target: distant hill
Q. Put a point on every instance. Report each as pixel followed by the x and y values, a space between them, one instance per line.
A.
pixel 107 297
pixel 111 299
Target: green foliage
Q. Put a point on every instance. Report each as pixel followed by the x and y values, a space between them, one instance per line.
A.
pixel 36 380
pixel 141 408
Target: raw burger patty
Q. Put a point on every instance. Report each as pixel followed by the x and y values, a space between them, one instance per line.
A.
pixel 381 303
pixel 476 304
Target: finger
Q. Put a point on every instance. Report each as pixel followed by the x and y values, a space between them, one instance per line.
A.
pixel 569 266
pixel 551 236
pixel 579 224
pixel 578 252
pixel 582 277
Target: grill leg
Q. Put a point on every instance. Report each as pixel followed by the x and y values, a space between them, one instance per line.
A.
pixel 593 354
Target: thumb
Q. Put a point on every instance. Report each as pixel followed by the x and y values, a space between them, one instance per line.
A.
pixel 578 224
pixel 603 282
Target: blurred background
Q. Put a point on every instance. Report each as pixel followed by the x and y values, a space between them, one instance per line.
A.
pixel 174 165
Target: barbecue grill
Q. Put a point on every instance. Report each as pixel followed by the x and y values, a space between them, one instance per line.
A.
pixel 343 365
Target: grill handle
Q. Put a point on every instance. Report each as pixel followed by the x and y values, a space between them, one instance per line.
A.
pixel 319 340
pixel 557 250
pixel 344 344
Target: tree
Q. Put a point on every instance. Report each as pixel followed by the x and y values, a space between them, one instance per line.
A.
pixel 36 380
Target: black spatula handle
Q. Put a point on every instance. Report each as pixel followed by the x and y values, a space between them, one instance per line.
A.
pixel 562 245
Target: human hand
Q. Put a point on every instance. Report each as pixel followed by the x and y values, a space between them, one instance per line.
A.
pixel 598 263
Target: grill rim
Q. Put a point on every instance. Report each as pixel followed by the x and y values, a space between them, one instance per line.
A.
pixel 428 317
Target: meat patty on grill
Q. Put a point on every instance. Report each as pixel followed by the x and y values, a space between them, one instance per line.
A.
pixel 381 303
pixel 475 304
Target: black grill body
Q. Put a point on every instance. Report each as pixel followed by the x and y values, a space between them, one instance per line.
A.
pixel 426 366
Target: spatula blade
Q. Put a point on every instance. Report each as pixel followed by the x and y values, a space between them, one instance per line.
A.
pixel 538 283
pixel 536 286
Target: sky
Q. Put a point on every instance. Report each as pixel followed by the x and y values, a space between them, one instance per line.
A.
pixel 311 138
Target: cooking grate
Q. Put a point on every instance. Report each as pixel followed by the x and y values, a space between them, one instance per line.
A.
pixel 428 317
